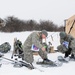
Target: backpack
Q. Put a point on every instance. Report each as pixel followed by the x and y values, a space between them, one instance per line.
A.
pixel 18 47
pixel 5 47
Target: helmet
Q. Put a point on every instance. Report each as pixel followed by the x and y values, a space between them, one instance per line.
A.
pixel 45 32
pixel 62 34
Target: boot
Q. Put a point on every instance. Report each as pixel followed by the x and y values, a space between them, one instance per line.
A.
pixel 28 65
pixel 47 61
pixel 32 67
pixel 72 57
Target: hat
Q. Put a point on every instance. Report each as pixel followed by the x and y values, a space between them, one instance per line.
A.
pixel 45 32
pixel 62 34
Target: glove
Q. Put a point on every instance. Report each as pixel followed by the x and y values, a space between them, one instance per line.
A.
pixel 45 46
pixel 66 44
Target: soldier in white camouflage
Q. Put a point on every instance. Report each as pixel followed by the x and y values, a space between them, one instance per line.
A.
pixel 67 45
pixel 36 39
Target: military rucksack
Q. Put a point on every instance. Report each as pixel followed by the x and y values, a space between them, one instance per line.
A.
pixel 5 47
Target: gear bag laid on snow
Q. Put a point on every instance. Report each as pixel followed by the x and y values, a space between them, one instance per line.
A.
pixel 5 47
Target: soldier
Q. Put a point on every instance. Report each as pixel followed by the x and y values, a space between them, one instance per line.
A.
pixel 35 38
pixel 67 45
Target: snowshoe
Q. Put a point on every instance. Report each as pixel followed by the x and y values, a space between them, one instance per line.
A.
pixel 72 58
pixel 62 59
pixel 28 65
pixel 49 64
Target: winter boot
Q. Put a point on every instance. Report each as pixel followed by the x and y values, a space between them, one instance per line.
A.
pixel 31 65
pixel 72 57
pixel 49 62
pixel 28 65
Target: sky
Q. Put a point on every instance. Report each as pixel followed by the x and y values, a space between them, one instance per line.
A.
pixel 54 10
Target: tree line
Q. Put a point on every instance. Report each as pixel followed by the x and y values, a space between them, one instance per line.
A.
pixel 13 24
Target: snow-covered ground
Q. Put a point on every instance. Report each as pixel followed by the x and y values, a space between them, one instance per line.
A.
pixel 8 69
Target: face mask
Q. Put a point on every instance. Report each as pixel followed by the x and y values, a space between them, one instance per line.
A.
pixel 43 40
